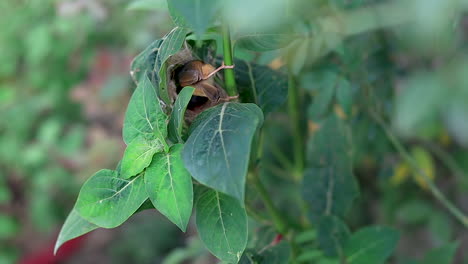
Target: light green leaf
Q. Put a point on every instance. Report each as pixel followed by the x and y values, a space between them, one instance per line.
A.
pixel 198 15
pixel 297 54
pixel 332 235
pixel 261 85
pixel 169 186
pixel 171 44
pixel 218 149
pixel 74 226
pixel 344 95
pixel 441 255
pixel 177 116
pixel 144 116
pixel 222 225
pixel 371 245
pixel 108 200
pixel 138 156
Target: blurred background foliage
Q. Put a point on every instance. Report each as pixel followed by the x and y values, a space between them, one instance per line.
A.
pixel 64 86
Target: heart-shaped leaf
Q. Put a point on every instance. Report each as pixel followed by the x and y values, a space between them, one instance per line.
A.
pixel 169 186
pixel 74 226
pixel 371 245
pixel 218 149
pixel 177 116
pixel 222 225
pixel 107 200
pixel 138 156
pixel 144 116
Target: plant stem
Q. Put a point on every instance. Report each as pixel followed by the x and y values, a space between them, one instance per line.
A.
pixel 278 221
pixel 432 187
pixel 294 114
pixel 229 77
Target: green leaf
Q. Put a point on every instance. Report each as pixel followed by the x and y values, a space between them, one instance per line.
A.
pixel 371 245
pixel 108 200
pixel 176 121
pixel 265 41
pixel 344 95
pixel 74 226
pixel 278 254
pixel 143 63
pixel 222 225
pixel 147 5
pixel 297 54
pixel 329 190
pixel 144 116
pixel 169 186
pixel 198 15
pixel 332 235
pixel 321 103
pixel 218 149
pixel 171 44
pixel 138 156
pixel 261 85
pixel 442 255
pixel 332 141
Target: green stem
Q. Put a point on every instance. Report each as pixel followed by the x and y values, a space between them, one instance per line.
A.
pixel 229 77
pixel 432 187
pixel 278 221
pixel 294 114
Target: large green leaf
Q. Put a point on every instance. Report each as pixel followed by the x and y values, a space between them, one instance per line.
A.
pixel 144 116
pixel 177 116
pixel 261 85
pixel 218 149
pixel 138 156
pixel 108 200
pixel 371 245
pixel 222 225
pixel 171 44
pixel 332 235
pixel 169 186
pixel 198 15
pixel 74 226
pixel 329 190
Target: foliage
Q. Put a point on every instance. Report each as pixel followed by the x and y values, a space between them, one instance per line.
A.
pixel 312 172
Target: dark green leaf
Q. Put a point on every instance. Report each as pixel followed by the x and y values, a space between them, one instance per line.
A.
pixel 169 186
pixel 218 149
pixel 143 64
pixel 344 95
pixel 278 254
pixel 329 190
pixel 144 116
pixel 442 255
pixel 74 226
pixel 177 116
pixel 138 156
pixel 265 41
pixel 321 103
pixel 108 200
pixel 332 235
pixel 371 245
pixel 332 141
pixel 222 225
pixel 171 44
pixel 261 85
pixel 198 15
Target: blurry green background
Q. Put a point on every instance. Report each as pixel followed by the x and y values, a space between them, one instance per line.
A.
pixel 64 87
